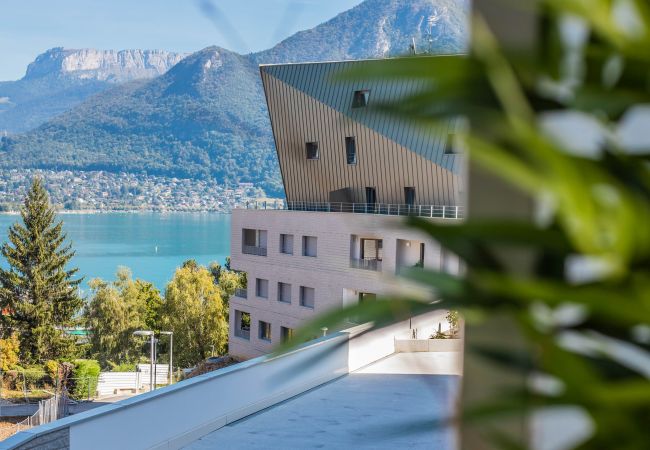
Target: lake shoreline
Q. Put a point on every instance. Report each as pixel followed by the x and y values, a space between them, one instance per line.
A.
pixel 135 211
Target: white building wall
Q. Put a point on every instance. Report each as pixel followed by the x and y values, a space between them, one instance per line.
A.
pixel 329 273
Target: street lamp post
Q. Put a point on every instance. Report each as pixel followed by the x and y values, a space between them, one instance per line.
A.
pixel 151 353
pixel 171 354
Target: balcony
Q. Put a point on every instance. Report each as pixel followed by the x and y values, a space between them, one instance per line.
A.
pixel 253 250
pixel 241 293
pixel 372 264
pixel 244 333
pixel 384 209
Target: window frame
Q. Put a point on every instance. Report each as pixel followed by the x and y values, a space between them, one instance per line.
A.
pixel 360 98
pixel 280 286
pixel 283 237
pixel 261 324
pixel 310 145
pixel 353 146
pixel 303 289
pixel 257 288
pixel 305 246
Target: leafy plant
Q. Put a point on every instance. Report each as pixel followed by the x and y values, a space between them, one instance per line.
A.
pixel 85 377
pixel 572 283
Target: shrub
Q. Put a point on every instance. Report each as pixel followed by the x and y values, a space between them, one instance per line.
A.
pixel 9 349
pixel 122 367
pixel 31 378
pixel 52 370
pixel 85 375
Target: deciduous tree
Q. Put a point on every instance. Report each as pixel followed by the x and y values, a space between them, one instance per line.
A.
pixel 194 310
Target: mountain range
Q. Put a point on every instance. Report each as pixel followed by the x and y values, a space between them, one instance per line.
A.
pixel 193 116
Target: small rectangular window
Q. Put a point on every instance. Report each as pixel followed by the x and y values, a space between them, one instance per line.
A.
pixel 361 98
pixel 286 334
pixel 409 196
pixel 265 331
pixel 262 288
pixel 243 324
pixel 351 150
pixel 286 244
pixel 312 150
pixel 367 297
pixel 450 144
pixel 284 292
pixel 309 246
pixel 307 297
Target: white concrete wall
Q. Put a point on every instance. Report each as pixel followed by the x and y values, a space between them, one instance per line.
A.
pixel 329 273
pixel 171 417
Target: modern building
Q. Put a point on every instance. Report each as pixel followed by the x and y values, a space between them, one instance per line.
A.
pixel 351 173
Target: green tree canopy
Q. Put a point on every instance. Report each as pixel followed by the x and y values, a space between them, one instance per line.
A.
pixel 194 310
pixel 115 311
pixel 38 289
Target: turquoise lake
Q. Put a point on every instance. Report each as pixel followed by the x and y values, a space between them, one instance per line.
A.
pixel 152 245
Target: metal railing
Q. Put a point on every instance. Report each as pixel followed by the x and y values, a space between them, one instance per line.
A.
pixel 242 333
pixel 253 250
pixel 385 209
pixel 366 264
pixel 241 293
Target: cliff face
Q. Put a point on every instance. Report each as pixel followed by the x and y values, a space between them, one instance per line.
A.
pixel 103 65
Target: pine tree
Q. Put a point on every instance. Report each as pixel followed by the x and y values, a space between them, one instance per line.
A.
pixel 37 291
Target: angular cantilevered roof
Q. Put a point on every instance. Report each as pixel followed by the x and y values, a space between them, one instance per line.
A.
pixel 326 83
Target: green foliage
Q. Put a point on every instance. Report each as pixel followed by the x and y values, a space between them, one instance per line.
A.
pixel 38 288
pixel 194 310
pixel 598 208
pixel 9 352
pixel 227 279
pixel 85 375
pixel 115 311
pixel 52 370
pixel 123 367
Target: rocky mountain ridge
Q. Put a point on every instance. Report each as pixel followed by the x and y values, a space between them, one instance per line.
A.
pixel 103 65
pixel 206 117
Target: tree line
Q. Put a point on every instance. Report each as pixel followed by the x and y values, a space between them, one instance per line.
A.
pixel 41 303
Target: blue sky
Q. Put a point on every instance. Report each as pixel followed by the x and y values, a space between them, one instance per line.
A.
pixel 29 27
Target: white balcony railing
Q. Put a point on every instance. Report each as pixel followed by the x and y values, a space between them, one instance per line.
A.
pixel 253 250
pixel 366 264
pixel 386 209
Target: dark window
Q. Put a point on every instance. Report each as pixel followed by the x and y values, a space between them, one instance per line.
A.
pixel 307 297
pixel 450 145
pixel 421 262
pixel 351 149
pixel 360 99
pixel 243 321
pixel 286 334
pixel 367 297
pixel 371 199
pixel 286 244
pixel 409 195
pixel 312 150
pixel 262 288
pixel 265 331
pixel 284 292
pixel 309 246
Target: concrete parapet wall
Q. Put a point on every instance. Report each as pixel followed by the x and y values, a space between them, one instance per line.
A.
pixel 428 345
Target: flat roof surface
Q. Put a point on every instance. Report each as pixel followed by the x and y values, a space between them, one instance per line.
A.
pixel 390 404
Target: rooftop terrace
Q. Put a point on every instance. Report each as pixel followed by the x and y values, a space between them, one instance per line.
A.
pixel 389 404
